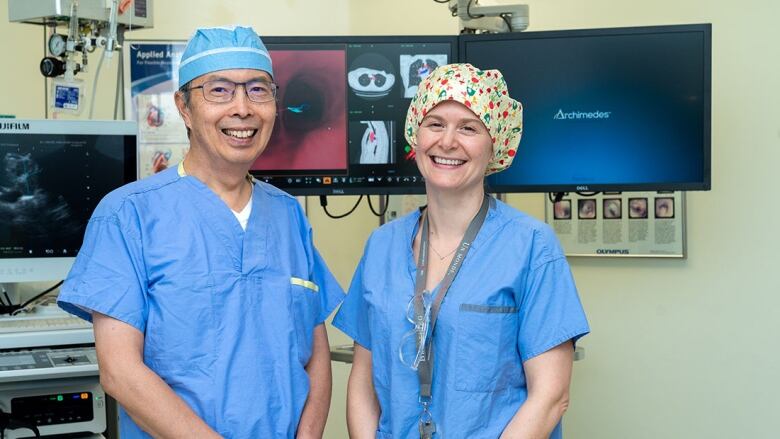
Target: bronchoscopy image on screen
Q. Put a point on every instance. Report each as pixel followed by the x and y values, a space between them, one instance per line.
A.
pixel 619 109
pixel 310 132
pixel 49 188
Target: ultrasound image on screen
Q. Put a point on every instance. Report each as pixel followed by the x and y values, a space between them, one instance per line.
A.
pixel 27 207
pixel 49 188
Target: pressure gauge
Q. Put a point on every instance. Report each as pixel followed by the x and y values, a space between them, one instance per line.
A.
pixel 57 44
pixel 51 67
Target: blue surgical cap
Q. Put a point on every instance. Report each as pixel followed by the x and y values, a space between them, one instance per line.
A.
pixel 222 48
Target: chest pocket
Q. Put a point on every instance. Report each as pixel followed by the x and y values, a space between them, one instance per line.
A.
pixel 486 357
pixel 305 309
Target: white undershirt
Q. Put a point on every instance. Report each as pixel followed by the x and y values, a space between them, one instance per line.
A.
pixel 243 216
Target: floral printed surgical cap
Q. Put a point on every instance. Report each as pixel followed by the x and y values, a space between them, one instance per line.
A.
pixel 485 93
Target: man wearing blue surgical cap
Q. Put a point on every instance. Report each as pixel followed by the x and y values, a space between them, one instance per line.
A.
pixel 205 289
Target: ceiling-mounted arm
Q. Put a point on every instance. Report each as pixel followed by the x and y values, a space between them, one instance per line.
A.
pixel 490 15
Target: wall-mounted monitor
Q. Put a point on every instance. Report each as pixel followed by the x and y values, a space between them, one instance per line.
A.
pixel 341 109
pixel 342 104
pixel 617 109
pixel 53 173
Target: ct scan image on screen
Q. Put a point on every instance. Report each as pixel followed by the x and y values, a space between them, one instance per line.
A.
pixel 371 76
pixel 371 142
pixel 415 68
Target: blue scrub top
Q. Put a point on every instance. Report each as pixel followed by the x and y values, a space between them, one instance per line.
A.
pixel 513 299
pixel 227 315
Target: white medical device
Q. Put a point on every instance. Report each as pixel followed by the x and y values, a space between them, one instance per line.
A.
pixel 53 407
pixel 494 16
pixel 49 375
pixel 91 24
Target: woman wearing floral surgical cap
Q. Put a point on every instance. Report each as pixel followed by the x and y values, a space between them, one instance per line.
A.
pixel 464 314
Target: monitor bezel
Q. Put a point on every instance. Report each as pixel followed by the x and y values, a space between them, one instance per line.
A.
pixel 15 270
pixel 706 182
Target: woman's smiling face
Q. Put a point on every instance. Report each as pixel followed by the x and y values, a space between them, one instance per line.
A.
pixel 453 148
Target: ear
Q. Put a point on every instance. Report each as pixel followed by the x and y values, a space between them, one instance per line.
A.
pixel 184 111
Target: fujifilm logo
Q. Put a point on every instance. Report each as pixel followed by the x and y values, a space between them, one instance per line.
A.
pixel 14 126
pixel 590 115
pixel 609 251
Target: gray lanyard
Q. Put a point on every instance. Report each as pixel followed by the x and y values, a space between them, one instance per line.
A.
pixel 425 370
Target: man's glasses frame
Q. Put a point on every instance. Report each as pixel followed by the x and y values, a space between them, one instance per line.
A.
pixel 221 91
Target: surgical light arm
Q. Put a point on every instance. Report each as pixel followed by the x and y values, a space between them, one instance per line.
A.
pixel 490 15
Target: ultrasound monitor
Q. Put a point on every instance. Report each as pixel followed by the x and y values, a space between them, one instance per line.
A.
pixel 52 175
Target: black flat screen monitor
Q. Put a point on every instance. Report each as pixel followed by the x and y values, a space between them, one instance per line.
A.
pixel 617 109
pixel 342 104
pixel 53 173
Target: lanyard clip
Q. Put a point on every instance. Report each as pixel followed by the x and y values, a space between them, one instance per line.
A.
pixel 427 429
pixel 426 425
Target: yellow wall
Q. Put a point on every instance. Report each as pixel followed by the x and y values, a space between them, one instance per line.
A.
pixel 679 348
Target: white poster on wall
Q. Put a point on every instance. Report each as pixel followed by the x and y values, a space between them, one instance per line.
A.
pixel 150 78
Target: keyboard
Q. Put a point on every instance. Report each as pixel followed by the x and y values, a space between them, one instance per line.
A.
pixel 31 324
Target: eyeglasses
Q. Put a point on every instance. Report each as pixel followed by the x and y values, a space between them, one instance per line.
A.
pixel 221 90
pixel 415 345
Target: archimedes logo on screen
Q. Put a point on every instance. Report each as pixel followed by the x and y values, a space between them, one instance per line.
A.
pixel 570 115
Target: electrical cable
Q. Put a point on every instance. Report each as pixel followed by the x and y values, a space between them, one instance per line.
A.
pixel 324 204
pixel 442 1
pixel 118 90
pixel 36 297
pixel 371 206
pixel 45 79
pixel 554 197
pixel 7 422
pixel 508 22
pixel 468 11
pixel 94 85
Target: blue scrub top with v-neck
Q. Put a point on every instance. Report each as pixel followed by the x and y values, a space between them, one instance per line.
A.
pixel 512 299
pixel 227 315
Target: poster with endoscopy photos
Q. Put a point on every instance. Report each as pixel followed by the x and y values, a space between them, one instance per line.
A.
pixel 621 224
